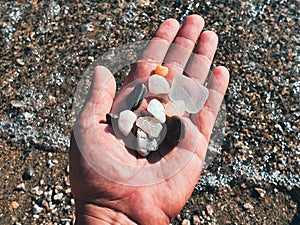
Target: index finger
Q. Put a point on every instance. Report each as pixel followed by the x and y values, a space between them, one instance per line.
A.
pixel 155 52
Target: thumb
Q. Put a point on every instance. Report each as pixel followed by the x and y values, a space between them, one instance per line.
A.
pixel 101 95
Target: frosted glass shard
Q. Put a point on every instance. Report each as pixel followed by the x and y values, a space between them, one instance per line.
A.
pixel 149 125
pixel 193 94
pixel 158 85
pixel 126 121
pixel 176 108
pixel 157 110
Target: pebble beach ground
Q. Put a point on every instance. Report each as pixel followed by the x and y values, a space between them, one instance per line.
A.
pixel 45 48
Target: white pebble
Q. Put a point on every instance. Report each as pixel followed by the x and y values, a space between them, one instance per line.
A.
pixel 158 85
pixel 126 121
pixel 157 110
pixel 36 191
pixel 37 209
pixel 21 187
pixel 58 197
pixel 48 195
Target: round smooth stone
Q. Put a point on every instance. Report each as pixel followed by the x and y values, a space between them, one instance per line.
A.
pixel 176 108
pixel 157 110
pixel 149 125
pixel 136 96
pixel 126 121
pixel 158 85
pixel 192 93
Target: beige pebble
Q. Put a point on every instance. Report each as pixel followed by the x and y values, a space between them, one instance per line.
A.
pixel 13 205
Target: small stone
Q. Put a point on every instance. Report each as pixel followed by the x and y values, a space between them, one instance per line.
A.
pixel 54 210
pixel 186 222
pixel 58 197
pixel 36 191
pixel 52 207
pixel 20 62
pixel 21 187
pixel 59 187
pixel 68 191
pixel 158 85
pixel 248 206
pixel 28 174
pixel 37 209
pixel 110 117
pixel 149 125
pixel 161 70
pixel 67 181
pixel 17 104
pixel 203 214
pixel 176 108
pixel 50 163
pixel 68 169
pixel 261 192
pixel 126 121
pixel 13 205
pixel 191 92
pixel 146 142
pixel 28 116
pixel 243 185
pixel 209 210
pixel 136 97
pixel 48 195
pixel 157 110
pixel 179 217
pixel 252 65
pixel 196 220
pixel 45 205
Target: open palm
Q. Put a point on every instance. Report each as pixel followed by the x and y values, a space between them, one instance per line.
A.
pixel 105 175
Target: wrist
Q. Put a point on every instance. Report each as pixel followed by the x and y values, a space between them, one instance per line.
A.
pixel 91 214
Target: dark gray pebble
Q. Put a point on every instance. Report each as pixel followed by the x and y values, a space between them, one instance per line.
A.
pixel 28 174
pixel 136 97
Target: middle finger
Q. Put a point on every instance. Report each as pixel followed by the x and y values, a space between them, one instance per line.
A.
pixel 183 45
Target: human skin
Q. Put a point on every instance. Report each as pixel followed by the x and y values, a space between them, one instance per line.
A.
pixel 103 201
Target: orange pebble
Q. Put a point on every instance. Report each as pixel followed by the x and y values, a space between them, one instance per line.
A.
pixel 161 70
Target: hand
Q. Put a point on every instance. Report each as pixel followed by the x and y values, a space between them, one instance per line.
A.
pixel 117 200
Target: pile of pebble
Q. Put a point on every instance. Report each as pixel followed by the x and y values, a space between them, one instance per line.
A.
pixel 183 97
